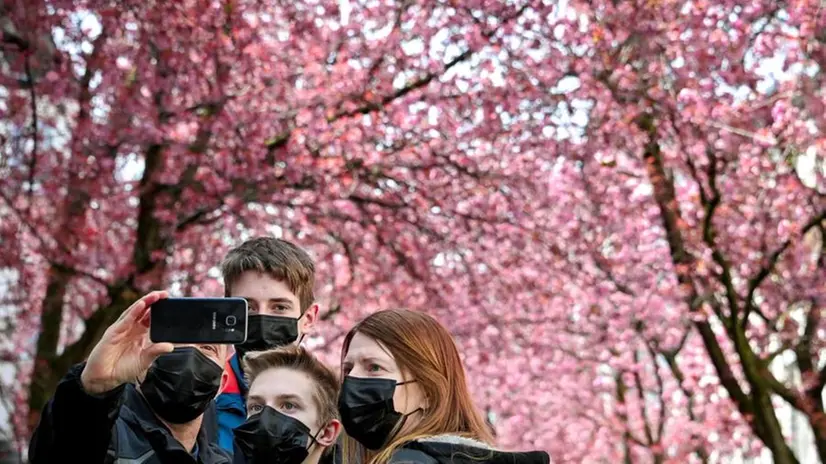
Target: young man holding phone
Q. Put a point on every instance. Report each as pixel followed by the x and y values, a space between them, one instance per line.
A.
pixel 292 411
pixel 276 278
pixel 99 415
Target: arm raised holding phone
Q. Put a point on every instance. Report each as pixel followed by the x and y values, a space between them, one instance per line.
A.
pixel 98 414
pixel 123 354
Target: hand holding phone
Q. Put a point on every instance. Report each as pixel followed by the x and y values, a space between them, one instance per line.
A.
pixel 122 354
pixel 199 320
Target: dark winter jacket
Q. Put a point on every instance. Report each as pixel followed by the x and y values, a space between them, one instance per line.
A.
pixel 451 449
pixel 116 427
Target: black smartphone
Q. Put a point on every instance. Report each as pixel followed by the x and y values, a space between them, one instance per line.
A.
pixel 199 320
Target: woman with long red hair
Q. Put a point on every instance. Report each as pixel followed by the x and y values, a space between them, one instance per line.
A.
pixel 404 398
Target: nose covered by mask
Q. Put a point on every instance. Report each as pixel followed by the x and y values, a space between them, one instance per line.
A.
pixel 367 411
pixel 273 438
pixel 179 385
pixel 265 332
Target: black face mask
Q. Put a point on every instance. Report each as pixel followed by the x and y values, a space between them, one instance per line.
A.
pixel 265 332
pixel 274 438
pixel 367 412
pixel 179 385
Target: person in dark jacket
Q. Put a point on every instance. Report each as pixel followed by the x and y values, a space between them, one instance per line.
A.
pixel 292 413
pixel 276 277
pixel 455 449
pixel 98 415
pixel 404 398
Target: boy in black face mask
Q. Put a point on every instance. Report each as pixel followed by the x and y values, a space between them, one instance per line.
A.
pixel 276 278
pixel 98 415
pixel 293 418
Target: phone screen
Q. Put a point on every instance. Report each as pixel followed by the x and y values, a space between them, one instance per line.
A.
pixel 199 320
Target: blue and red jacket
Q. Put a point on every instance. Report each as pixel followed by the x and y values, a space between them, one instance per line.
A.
pixel 231 404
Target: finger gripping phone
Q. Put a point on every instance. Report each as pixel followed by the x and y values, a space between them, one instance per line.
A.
pixel 199 320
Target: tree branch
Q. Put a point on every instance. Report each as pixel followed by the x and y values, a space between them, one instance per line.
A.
pixel 710 204
pixel 649 435
pixel 627 436
pixel 53 262
pixel 671 360
pixel 422 81
pixel 35 128
pixel 758 403
pixel 758 278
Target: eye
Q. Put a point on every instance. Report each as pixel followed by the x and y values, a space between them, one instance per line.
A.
pixel 255 408
pixel 211 348
pixel 373 367
pixel 282 308
pixel 251 306
pixel 289 406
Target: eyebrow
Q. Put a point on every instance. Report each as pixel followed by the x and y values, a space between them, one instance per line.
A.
pixel 279 397
pixel 364 359
pixel 300 402
pixel 269 300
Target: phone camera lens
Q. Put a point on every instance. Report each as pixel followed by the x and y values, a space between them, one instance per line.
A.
pixel 231 321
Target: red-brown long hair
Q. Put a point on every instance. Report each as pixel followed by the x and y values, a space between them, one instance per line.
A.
pixel 426 350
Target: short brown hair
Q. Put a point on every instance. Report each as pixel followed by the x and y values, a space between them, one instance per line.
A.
pixel 299 359
pixel 278 258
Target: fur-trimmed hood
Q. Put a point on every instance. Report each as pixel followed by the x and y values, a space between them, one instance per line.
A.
pixel 457 440
pixel 453 449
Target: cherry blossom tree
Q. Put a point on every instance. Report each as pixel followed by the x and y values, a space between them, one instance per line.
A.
pixel 618 207
pixel 744 233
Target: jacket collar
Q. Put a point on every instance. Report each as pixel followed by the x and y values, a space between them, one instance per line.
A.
pixel 456 449
pixel 237 376
pixel 137 413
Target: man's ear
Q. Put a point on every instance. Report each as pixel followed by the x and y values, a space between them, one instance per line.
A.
pixel 309 319
pixel 224 381
pixel 329 434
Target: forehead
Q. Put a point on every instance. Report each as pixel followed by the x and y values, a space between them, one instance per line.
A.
pixel 364 347
pixel 283 381
pixel 259 286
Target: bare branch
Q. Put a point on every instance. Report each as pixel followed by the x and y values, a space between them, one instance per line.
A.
pixel 768 267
